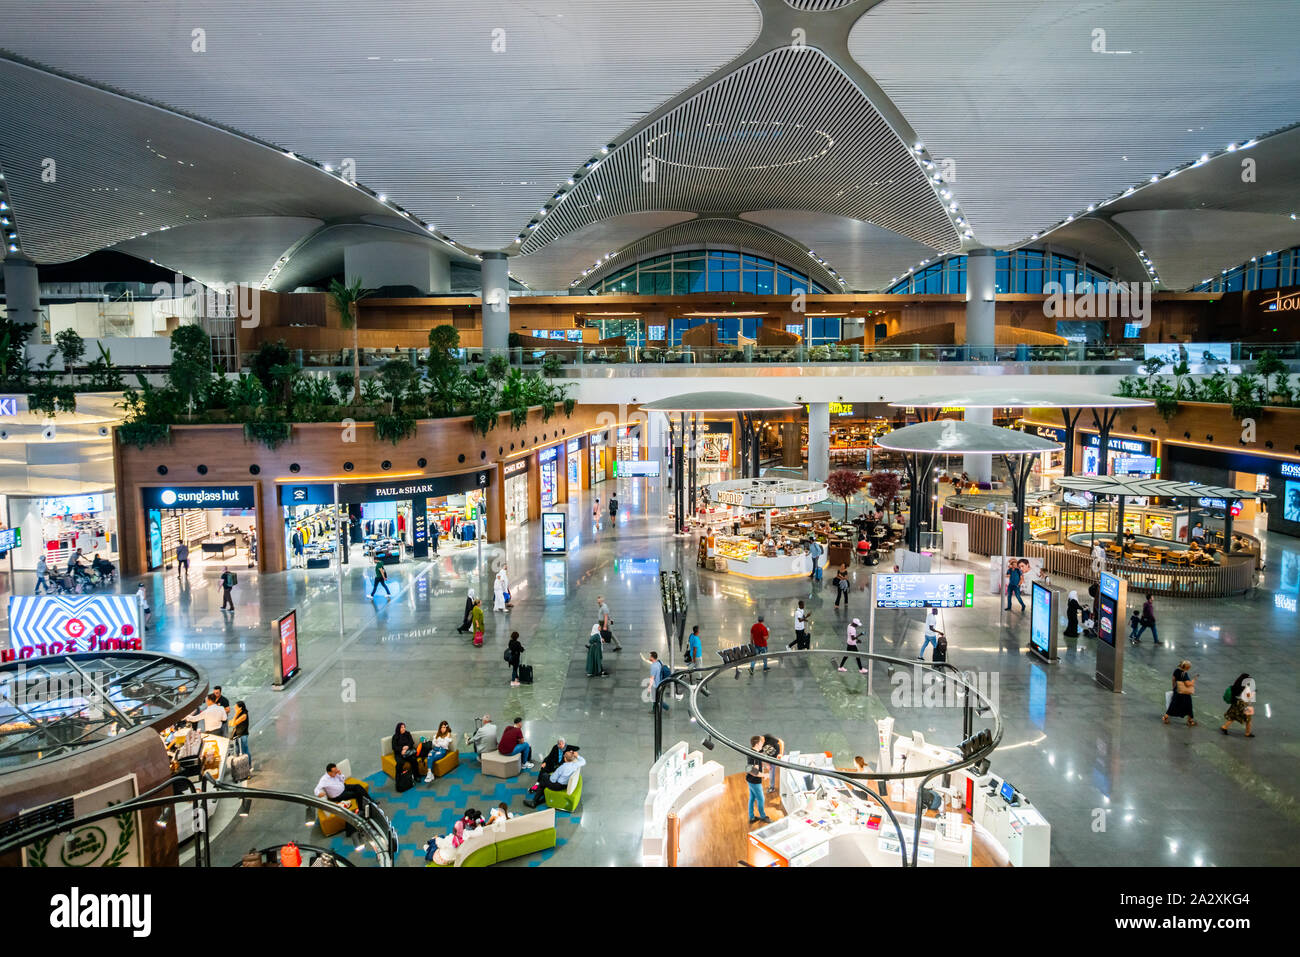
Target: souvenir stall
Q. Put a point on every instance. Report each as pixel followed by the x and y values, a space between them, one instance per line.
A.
pixel 774 543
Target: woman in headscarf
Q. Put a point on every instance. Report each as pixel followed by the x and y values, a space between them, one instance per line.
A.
pixel 501 591
pixel 1180 702
pixel 1072 615
pixel 595 654
pixel 470 598
pixel 1242 707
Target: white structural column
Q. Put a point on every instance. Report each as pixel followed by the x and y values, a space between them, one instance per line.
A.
pixel 981 305
pixel 819 441
pixel 23 294
pixel 496 303
pixel 979 467
pixel 397 264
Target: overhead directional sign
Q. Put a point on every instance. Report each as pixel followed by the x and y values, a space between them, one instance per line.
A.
pixel 934 590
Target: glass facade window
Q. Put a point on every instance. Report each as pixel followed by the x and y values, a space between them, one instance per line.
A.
pixel 1273 271
pixel 1017 271
pixel 681 273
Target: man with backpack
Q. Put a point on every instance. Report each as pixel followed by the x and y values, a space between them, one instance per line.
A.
pixel 613 507
pixel 228 581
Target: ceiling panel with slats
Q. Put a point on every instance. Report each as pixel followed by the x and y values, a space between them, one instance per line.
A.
pixel 788 130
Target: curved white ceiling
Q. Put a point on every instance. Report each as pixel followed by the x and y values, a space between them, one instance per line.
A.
pixel 468 114
pixel 227 250
pixel 866 255
pixel 1039 125
pixel 788 129
pixel 1181 242
pixel 558 263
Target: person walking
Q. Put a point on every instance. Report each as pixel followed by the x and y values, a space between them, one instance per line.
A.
pixel 842 587
pixel 851 644
pixel 754 780
pixel 1014 575
pixel 476 622
pixel 514 655
pixel 606 623
pixel 1148 621
pixel 695 651
pixel 252 549
pixel 613 508
pixel 800 628
pixel 1241 704
pixel 42 576
pixel 758 637
pixel 501 591
pixel 470 598
pixel 1072 609
pixel 596 654
pixel 932 632
pixel 182 561
pixel 228 581
pixel 381 578
pixel 595 513
pixel 815 553
pixel 1180 700
pixel 658 673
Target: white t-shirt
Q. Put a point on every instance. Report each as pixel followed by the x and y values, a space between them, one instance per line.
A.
pixel 800 617
pixel 932 626
pixel 852 637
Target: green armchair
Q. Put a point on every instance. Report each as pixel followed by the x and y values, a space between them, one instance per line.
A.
pixel 566 800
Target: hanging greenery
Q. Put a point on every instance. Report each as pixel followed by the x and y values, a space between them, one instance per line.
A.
pixel 272 434
pixel 143 434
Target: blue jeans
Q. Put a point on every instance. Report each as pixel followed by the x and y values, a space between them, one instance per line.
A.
pixel 379 582
pixel 929 640
pixel 437 754
pixel 524 750
pixel 1154 635
pixel 756 797
pixel 41 583
pixel 1014 593
pixel 241 746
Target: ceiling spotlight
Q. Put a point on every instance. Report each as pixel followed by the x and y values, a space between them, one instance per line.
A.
pixel 383 198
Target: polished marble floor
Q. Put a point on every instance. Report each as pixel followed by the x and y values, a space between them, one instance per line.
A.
pixel 1117 786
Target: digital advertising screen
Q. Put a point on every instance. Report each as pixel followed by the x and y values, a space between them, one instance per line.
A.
pixel 925 591
pixel 1108 608
pixel 10 538
pixel 1291 501
pixel 1040 620
pixel 288 634
pixel 553 533
pixel 636 468
pixel 67 624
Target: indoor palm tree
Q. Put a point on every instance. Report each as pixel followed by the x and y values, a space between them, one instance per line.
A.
pixel 346 297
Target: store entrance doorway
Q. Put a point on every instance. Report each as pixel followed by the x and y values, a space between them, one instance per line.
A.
pixel 216 524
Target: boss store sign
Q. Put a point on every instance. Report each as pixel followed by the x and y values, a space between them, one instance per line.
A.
pixel 199 496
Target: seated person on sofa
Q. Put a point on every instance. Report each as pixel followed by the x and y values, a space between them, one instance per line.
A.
pixel 332 787
pixel 485 738
pixel 512 742
pixel 500 813
pixel 406 752
pixel 470 825
pixel 443 743
pixel 554 757
pixel 559 781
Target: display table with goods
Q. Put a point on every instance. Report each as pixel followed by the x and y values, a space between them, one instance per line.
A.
pixel 738 555
pixel 388 551
pixel 978 818
pixel 194 753
pixel 915 803
pixel 676 779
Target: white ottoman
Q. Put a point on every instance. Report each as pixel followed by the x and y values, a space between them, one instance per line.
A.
pixel 498 765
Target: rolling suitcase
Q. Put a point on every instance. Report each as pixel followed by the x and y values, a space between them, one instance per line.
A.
pixel 525 674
